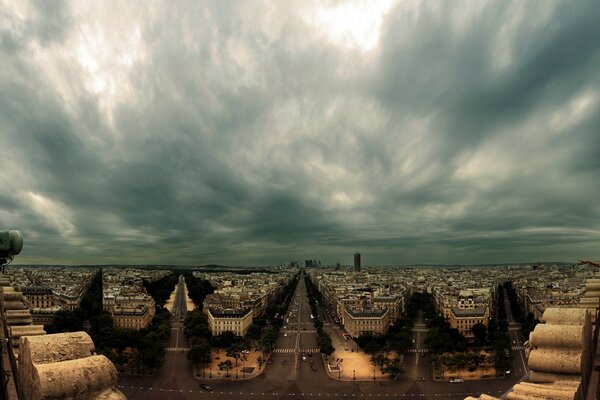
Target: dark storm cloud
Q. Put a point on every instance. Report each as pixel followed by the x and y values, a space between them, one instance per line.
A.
pixel 248 133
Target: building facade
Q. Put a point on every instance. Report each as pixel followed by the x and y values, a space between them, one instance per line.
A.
pixel 357 262
pixel 236 321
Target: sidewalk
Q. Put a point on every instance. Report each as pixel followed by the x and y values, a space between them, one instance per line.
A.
pixel 355 365
pixel 348 365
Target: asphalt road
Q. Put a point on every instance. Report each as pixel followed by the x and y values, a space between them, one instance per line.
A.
pixel 289 376
pixel 514 331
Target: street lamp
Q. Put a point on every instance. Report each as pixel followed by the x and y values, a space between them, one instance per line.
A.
pixel 373 373
pixel 354 373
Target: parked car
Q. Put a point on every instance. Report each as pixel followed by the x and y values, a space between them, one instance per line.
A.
pixel 507 372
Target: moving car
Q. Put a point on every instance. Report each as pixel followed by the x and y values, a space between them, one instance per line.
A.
pixel 457 380
pixel 206 387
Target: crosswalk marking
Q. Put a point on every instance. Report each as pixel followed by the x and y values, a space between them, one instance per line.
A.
pixel 518 347
pixel 177 349
pixel 418 350
pixel 294 350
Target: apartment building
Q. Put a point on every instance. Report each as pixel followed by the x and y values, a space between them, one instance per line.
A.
pixel 236 321
pixel 125 299
pixel 366 321
pixel 464 319
pixel 130 311
pixel 238 299
pixel 362 302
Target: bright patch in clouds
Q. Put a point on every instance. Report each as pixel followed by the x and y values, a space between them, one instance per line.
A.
pixel 355 24
pixel 52 212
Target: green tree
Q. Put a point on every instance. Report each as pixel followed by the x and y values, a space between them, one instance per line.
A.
pixel 254 331
pixel 479 331
pixel 225 366
pixel 65 321
pixel 379 360
pixel 393 367
pixel 234 351
pixel 200 353
pixel 226 339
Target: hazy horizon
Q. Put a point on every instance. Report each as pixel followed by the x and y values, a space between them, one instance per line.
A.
pixel 250 133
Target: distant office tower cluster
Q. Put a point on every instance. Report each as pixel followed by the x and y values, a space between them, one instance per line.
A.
pixel 312 264
pixel 357 262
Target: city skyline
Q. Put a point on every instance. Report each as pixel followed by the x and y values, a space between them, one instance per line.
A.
pixel 253 133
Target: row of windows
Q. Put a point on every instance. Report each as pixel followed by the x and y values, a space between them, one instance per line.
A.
pixel 470 321
pixel 368 322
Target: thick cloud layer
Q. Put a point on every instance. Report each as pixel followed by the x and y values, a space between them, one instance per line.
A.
pixel 259 132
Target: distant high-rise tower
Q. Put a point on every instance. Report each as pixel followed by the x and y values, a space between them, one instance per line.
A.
pixel 357 262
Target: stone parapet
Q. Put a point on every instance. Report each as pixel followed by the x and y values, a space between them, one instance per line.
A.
pixel 565 316
pixel 64 365
pixel 12 296
pixel 18 317
pixel 559 336
pixel 557 356
pixel 16 332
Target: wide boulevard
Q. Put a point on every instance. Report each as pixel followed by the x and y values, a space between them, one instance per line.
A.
pixel 292 375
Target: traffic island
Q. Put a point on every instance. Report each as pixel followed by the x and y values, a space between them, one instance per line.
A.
pixel 353 366
pixel 223 367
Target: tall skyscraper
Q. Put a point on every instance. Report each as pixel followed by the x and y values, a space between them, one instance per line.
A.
pixel 357 262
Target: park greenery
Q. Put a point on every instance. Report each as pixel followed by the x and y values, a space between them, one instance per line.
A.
pixel 197 288
pixel 468 360
pixel 387 365
pixel 314 296
pixel 133 351
pixel 161 289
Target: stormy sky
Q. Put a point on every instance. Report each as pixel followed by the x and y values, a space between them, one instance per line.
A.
pixel 254 132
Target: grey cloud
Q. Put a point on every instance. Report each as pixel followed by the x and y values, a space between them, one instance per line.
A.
pixel 236 133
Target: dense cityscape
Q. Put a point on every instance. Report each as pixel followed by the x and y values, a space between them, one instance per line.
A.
pixel 302 329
